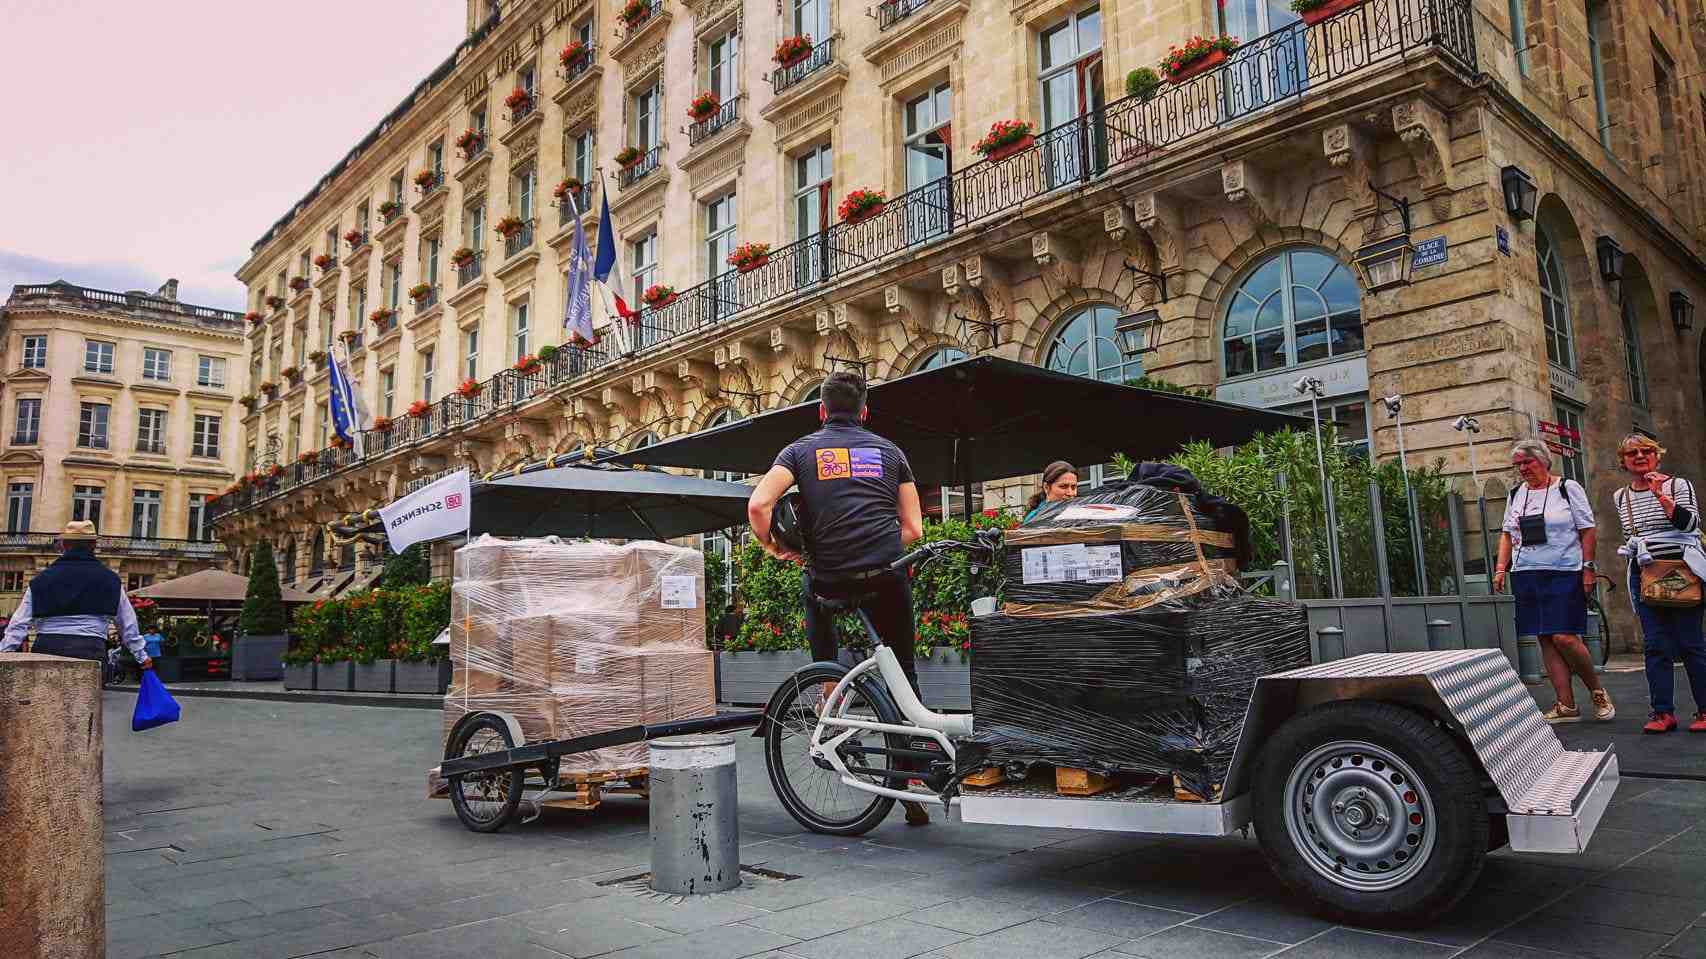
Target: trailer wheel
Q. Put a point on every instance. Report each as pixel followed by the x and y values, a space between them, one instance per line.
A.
pixel 485 802
pixel 1371 812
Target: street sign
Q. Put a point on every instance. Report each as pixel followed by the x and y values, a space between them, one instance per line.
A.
pixel 1430 253
pixel 1561 450
pixel 1560 431
pixel 1504 240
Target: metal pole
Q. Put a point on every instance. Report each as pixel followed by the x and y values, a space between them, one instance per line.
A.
pixel 1415 518
pixel 695 819
pixel 1326 501
pixel 1377 524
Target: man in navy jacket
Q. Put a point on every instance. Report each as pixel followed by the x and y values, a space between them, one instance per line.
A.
pixel 73 602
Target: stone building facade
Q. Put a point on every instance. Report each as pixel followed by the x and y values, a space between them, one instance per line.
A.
pixel 119 408
pixel 1248 192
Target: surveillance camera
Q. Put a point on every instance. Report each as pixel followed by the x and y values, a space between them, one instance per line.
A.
pixel 1466 423
pixel 1394 404
pixel 1306 385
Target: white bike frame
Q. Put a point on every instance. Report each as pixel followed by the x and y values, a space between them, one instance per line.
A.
pixel 835 727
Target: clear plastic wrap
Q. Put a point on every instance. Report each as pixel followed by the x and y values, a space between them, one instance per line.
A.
pixel 574 638
pixel 1137 659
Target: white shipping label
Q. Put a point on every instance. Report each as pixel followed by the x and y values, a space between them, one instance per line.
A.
pixel 586 661
pixel 1073 563
pixel 1093 511
pixel 680 592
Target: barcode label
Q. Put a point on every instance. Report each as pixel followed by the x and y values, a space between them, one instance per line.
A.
pixel 1073 563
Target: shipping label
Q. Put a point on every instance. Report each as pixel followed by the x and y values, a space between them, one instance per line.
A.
pixel 680 592
pixel 1073 563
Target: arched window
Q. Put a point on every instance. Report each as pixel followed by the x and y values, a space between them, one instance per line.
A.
pixel 317 558
pixel 1086 345
pixel 723 417
pixel 1554 301
pixel 648 438
pixel 1296 306
pixel 938 357
pixel 814 394
pixel 1632 353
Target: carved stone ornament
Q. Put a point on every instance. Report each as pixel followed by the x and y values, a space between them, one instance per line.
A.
pixel 1246 188
pixel 1426 134
pixel 1351 152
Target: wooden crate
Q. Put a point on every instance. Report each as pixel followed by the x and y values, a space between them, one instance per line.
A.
pixel 1071 781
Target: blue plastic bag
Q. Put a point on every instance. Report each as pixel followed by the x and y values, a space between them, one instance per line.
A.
pixel 154 706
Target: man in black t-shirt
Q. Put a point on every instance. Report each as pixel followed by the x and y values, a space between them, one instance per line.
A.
pixel 859 508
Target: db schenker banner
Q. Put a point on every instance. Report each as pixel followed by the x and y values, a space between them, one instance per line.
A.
pixel 439 509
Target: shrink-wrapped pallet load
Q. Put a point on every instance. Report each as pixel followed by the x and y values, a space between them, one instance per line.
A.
pixel 574 638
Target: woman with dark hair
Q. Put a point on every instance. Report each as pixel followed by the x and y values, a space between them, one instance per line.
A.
pixel 1060 481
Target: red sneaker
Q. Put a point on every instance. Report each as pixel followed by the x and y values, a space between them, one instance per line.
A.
pixel 1660 723
pixel 1699 724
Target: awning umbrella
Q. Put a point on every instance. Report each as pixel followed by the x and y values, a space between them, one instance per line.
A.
pixel 605 504
pixel 988 418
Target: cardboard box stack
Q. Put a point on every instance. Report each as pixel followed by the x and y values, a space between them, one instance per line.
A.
pixel 578 638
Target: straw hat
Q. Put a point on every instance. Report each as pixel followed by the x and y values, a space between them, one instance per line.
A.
pixel 78 529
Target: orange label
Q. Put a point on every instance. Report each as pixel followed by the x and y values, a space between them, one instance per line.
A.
pixel 834 464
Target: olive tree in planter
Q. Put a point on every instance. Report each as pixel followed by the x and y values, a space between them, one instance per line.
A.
pixel 258 652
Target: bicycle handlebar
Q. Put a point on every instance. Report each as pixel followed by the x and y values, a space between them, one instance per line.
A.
pixel 987 540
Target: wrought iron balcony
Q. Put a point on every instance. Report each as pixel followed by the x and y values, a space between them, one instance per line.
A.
pixel 355 341
pixel 821 56
pixel 575 70
pixel 639 169
pixel 520 240
pixel 701 130
pixel 120 545
pixel 431 185
pixel 360 240
pixel 634 27
pixel 468 272
pixel 585 200
pixel 427 300
pixel 391 215
pixel 524 109
pixel 891 12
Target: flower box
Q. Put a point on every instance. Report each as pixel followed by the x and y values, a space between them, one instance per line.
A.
pixel 253 318
pixel 749 256
pixel 1322 10
pixel 635 12
pixel 416 677
pixel 527 364
pixel 299 283
pixel 316 356
pixel 469 143
pixel 1005 138
pixel 382 317
pixel 658 296
pixel 570 185
pixel 420 291
pixel 305 457
pixel 426 180
pixel 299 676
pixel 374 677
pixel 469 388
pixel 382 424
pixel 355 238
pixel 518 99
pixel 290 373
pixel 276 302
pixel 861 205
pixel 509 226
pixel 1198 56
pixel 325 261
pixel 704 105
pixel 628 156
pixel 259 658
pixel 572 54
pixel 1198 67
pixel 462 256
pixel 335 677
pixel 792 51
pixel 419 408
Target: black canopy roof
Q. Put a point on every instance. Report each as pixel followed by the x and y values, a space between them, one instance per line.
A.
pixel 987 418
pixel 605 504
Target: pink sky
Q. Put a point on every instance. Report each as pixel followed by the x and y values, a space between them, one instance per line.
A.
pixel 146 141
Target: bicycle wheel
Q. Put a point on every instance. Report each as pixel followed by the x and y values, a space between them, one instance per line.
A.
pixel 813 792
pixel 485 802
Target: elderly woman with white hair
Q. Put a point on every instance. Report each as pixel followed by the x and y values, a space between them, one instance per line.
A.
pixel 1546 547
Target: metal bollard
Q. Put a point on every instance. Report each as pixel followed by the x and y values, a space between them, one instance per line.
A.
pixel 1528 661
pixel 695 815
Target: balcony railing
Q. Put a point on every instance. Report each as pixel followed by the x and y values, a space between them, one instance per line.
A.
pixel 355 341
pixel 393 214
pixel 1264 75
pixel 586 199
pixel 701 130
pixel 468 272
pixel 640 24
pixel 581 66
pixel 519 240
pixel 891 12
pixel 119 545
pixel 524 109
pixel 431 185
pixel 821 56
pixel 428 300
pixel 140 304
pixel 359 242
pixel 647 162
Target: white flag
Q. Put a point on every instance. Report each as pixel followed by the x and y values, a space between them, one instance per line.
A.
pixel 439 509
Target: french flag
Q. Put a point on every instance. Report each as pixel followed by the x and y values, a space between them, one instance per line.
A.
pixel 604 263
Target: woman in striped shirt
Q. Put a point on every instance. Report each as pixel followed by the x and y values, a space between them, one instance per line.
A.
pixel 1660 516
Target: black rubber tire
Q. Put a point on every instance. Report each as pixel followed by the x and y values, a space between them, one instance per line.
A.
pixel 508 783
pixel 1449 776
pixel 805 678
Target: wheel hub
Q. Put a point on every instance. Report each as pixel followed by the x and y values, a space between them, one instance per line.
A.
pixel 1360 815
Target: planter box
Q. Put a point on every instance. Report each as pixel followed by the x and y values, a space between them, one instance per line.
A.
pixel 866 213
pixel 1198 66
pixel 416 677
pixel 1328 9
pixel 749 678
pixel 375 677
pixel 444 676
pixel 751 265
pixel 168 669
pixel 334 677
pixel 258 657
pixel 1002 153
pixel 299 677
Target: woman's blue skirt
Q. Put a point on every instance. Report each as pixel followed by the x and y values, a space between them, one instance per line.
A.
pixel 1549 602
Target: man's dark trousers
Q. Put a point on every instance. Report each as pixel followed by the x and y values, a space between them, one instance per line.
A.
pixel 886 598
pixel 76 647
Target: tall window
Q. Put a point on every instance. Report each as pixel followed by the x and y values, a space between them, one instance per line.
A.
pixel 294 440
pixel 723 65
pixel 394 189
pixel 1296 306
pixel 1573 464
pixel 145 514
pixel 518 321
pixel 92 425
pixel 204 440
pixel 28 429
pixel 387 391
pixel 811 19
pixel 719 234
pixel 646 118
pixel 1086 345
pixel 426 374
pixel 19 498
pixel 928 161
pixel 1632 361
pixel 393 284
pixel 429 260
pixel 813 172
pixel 210 372
pixel 477 120
pixel 1597 16
pixel 156 364
pixel 643 263
pixel 580 156
pixel 358 307
pixel 1519 35
pixel 86 504
pixel 471 354
pixel 1070 73
pixel 301 338
pixel 97 356
pixel 151 431
pixel 521 188
pixel 435 156
pixel 1554 302
pixel 363 218
pixel 35 352
pixel 1664 96
pixel 527 79
pixel 331 241
pixel 325 417
pixel 473 227
pixel 200 530
pixel 302 260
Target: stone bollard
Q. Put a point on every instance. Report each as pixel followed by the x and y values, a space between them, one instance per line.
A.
pixel 52 872
pixel 695 815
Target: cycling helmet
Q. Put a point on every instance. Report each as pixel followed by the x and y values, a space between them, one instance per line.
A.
pixel 787 523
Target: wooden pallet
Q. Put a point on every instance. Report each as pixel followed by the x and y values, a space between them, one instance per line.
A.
pixel 585 790
pixel 1182 794
pixel 1071 781
pixel 984 778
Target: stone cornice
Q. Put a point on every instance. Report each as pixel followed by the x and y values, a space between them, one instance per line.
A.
pixel 155 388
pixel 23 377
pixel 126 320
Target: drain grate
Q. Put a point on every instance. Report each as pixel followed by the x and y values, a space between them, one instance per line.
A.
pixel 640 883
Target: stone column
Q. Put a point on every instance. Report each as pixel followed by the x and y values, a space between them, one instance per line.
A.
pixel 53 870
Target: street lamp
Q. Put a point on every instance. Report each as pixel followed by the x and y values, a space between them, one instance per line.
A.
pixel 1469 426
pixel 1522 196
pixel 1681 311
pixel 1312 387
pixel 1387 263
pixel 1395 408
pixel 1610 256
pixel 1138 333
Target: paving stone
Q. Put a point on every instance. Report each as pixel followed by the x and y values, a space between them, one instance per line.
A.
pixel 1033 939
pixel 827 916
pixel 1505 950
pixel 1647 911
pixel 724 942
pixel 1121 918
pixel 975 915
pixel 576 931
pixel 1190 942
pixel 1279 920
pixel 682 916
pixel 1691 944
pixel 1582 938
pixel 493 937
pixel 1344 943
pixel 885 939
pixel 150 936
pixel 1657 872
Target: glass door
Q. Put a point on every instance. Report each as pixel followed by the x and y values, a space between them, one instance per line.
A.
pixel 1070 61
pixel 929 161
pixel 1265 69
pixel 813 172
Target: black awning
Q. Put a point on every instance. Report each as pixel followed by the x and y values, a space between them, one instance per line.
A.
pixel 605 504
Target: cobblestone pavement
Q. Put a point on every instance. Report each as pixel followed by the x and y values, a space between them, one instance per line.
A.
pixel 264 830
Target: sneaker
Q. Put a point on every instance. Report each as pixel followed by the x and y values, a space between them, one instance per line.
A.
pixel 1560 713
pixel 1660 723
pixel 1604 711
pixel 1699 724
pixel 915 814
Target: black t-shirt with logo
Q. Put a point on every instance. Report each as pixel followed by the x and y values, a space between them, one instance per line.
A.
pixel 849 480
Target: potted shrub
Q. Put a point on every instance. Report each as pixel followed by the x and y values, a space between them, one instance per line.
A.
pixel 381 317
pixel 468 143
pixel 658 295
pixel 1315 11
pixel 509 226
pixel 325 261
pixel 469 388
pixel 372 630
pixel 317 357
pixel 382 424
pixel 419 292
pixel 570 186
pixel 628 156
pixel 426 180
pixel 571 55
pixel 749 256
pixel 635 12
pixel 792 50
pixel 333 670
pixel 248 400
pixel 298 283
pixel 253 318
pixel 419 408
pixel 355 238
pixel 426 612
pixel 1198 55
pixel 275 301
pixel 703 105
pixel 259 650
pixel 861 205
pixel 527 364
pixel 518 99
pixel 389 209
pixel 1005 138
pixel 1142 83
pixel 268 387
pixel 291 373
pixel 462 256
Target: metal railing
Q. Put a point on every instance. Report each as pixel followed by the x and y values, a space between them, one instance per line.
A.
pixel 358 242
pixel 119 545
pixel 143 304
pixel 436 182
pixel 821 56
pixel 355 341
pixel 637 171
pixel 468 272
pixel 523 110
pixel 727 113
pixel 891 12
pixel 575 70
pixel 427 300
pixel 586 199
pixel 520 240
pixel 1292 61
pixel 640 24
pixel 395 214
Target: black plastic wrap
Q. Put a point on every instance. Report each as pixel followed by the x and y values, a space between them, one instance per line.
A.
pixel 1148 676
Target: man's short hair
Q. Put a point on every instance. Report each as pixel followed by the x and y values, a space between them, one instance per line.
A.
pixel 843 394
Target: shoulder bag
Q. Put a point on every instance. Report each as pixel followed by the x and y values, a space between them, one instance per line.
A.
pixel 1664 582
